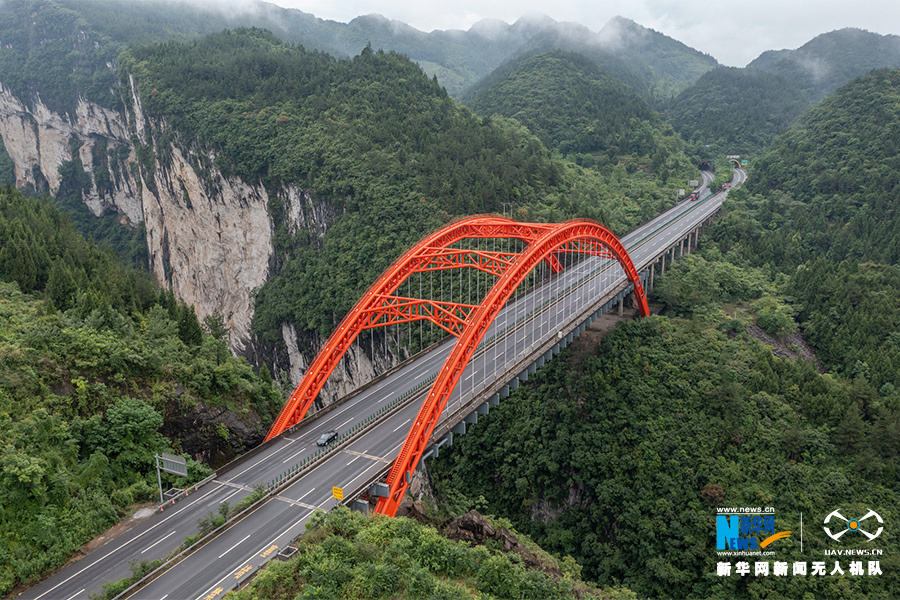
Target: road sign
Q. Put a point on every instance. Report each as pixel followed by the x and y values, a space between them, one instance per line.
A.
pixel 693 183
pixel 337 493
pixel 173 464
pixel 681 192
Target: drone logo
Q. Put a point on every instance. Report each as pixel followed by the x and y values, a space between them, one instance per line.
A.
pixel 853 525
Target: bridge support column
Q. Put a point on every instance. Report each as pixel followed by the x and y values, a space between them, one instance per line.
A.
pixel 663 261
pixel 621 306
pixel 652 272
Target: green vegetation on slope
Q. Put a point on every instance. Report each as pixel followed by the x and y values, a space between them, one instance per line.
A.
pixel 373 138
pixel 576 109
pixel 673 65
pixel 346 555
pixel 52 51
pixel 7 168
pixel 828 61
pixel 95 362
pixel 736 111
pixel 822 208
pixel 617 454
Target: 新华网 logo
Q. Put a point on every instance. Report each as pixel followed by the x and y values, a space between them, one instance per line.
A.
pixel 742 531
pixel 855 525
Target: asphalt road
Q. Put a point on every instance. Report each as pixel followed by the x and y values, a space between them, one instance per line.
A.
pixel 238 552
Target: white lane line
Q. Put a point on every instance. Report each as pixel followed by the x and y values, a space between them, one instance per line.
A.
pixel 470 376
pixel 76 593
pixel 236 475
pixel 157 542
pixel 385 398
pixel 164 597
pixel 404 423
pixel 351 462
pixel 420 374
pixel 345 422
pixel 235 546
pixel 238 491
pixel 128 542
pixel 266 546
pixel 306 494
pixel 293 455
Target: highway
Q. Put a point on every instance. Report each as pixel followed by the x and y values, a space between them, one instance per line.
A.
pixel 239 551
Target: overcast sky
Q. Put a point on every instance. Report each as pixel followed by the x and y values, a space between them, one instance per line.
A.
pixel 733 32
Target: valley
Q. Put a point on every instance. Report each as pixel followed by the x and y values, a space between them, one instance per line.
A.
pixel 196 200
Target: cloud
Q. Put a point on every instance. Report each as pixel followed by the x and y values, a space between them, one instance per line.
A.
pixel 733 32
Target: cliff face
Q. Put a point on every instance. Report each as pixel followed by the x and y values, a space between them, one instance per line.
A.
pixel 209 237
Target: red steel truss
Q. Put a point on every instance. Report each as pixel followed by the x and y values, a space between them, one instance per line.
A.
pixel 572 236
pixel 379 307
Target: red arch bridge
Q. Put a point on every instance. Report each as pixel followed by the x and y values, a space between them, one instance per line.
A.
pixel 451 249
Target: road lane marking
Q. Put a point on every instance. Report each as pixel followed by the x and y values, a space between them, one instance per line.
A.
pixel 235 546
pixel 355 458
pixel 76 593
pixel 157 542
pixel 345 422
pixel 306 494
pixel 294 502
pixel 105 556
pixel 420 374
pixel 404 423
pixel 216 589
pixel 293 455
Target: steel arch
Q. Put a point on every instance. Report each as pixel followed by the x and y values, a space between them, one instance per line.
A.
pixel 378 307
pixel 555 239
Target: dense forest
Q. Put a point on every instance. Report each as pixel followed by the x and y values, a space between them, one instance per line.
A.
pixel 736 111
pixel 347 555
pixel 575 108
pixel 811 242
pixel 97 366
pixel 374 136
pixel 829 60
pixel 822 210
pixel 617 453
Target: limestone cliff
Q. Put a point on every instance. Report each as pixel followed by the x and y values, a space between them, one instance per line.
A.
pixel 209 237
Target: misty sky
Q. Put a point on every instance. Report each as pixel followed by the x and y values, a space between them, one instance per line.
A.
pixel 733 32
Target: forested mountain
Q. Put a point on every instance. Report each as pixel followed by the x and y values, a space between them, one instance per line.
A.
pixel 649 60
pixel 97 365
pixel 736 111
pixel 619 453
pixel 829 60
pixel 372 135
pixel 824 210
pixel 576 109
pixel 742 110
pixel 346 554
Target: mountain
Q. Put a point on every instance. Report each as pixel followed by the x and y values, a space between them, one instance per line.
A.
pixel 458 58
pixel 350 555
pixel 575 108
pixel 829 60
pixel 673 64
pixel 100 369
pixel 736 111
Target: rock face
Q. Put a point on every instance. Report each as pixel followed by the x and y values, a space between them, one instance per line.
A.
pixel 473 528
pixel 209 237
